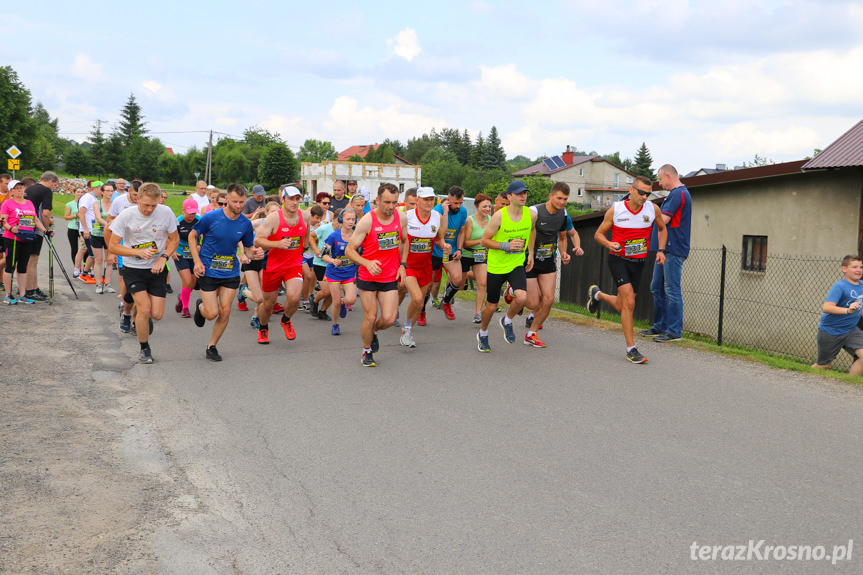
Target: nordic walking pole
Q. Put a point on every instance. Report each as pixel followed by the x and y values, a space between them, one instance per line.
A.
pixel 50 271
pixel 62 268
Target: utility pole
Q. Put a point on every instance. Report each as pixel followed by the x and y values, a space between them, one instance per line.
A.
pixel 208 176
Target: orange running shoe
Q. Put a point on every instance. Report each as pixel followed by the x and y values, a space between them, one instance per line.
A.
pixel 533 340
pixel 263 335
pixel 289 329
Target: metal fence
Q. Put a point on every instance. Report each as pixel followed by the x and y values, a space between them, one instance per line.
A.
pixel 775 310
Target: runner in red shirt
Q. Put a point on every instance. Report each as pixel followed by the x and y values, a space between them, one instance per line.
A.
pixel 380 235
pixel 285 233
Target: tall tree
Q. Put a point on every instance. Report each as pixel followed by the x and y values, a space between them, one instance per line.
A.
pixel 478 151
pixel 383 154
pixel 131 121
pixel 16 125
pixel 97 150
pixel 76 160
pixel 642 163
pixel 115 155
pixel 465 148
pixel 317 151
pixel 397 146
pixel 278 166
pixel 258 137
pixel 143 158
pixel 493 156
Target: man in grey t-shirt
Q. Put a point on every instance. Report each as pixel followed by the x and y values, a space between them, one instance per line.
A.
pixel 258 201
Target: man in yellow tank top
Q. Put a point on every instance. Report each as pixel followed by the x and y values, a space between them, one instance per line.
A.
pixel 508 238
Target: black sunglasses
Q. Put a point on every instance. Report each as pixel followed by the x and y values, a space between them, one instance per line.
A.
pixel 223 203
pixel 642 192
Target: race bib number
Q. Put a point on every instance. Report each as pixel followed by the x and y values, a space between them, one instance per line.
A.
pixel 634 248
pixel 224 263
pixel 449 236
pixel 145 246
pixel 186 254
pixel 545 251
pixel 294 242
pixel 346 261
pixel 26 222
pixel 480 255
pixel 388 240
pixel 421 245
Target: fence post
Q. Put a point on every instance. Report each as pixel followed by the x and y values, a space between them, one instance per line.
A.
pixel 601 267
pixel 721 297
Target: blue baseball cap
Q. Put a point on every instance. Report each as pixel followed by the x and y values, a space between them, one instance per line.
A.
pixel 516 187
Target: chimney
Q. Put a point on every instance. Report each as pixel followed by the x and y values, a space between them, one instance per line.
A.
pixel 568 156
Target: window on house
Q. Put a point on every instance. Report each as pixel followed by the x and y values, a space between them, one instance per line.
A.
pixel 580 192
pixel 616 180
pixel 401 188
pixel 629 179
pixel 755 253
pixel 581 172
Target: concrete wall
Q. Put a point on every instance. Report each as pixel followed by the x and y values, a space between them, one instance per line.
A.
pixel 320 177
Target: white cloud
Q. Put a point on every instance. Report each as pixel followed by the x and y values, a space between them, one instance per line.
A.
pixel 406 44
pixel 746 139
pixel 290 129
pixel 367 125
pixel 152 86
pixel 504 82
pixel 86 69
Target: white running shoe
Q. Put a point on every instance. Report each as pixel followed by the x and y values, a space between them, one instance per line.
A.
pixel 407 338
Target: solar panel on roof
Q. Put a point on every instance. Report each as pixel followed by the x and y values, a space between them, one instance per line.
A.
pixel 558 162
pixel 549 164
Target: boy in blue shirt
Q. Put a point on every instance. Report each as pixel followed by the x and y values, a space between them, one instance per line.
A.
pixel 838 329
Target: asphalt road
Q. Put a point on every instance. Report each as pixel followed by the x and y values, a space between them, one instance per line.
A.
pixel 292 458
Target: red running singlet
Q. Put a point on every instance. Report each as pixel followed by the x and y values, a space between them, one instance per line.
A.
pixel 382 244
pixel 280 258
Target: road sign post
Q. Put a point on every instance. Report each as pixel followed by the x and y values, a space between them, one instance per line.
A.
pixel 14 163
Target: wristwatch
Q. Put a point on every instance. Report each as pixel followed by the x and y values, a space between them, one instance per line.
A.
pixel 166 256
pixel 661 250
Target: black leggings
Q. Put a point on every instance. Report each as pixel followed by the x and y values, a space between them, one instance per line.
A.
pixel 73 243
pixel 17 255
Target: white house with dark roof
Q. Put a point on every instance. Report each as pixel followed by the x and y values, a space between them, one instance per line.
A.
pixel 593 180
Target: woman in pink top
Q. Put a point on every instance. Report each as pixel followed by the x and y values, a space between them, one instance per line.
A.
pixel 19 225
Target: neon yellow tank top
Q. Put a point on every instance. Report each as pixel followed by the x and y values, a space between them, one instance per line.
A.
pixel 503 263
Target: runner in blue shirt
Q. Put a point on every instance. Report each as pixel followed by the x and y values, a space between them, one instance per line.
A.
pixel 454 236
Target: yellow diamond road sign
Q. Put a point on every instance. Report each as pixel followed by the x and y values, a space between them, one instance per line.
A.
pixel 13 152
pixel 14 164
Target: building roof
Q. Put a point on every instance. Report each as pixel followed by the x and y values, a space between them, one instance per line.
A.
pixel 702 171
pixel 768 171
pixel 541 169
pixel 845 152
pixel 362 151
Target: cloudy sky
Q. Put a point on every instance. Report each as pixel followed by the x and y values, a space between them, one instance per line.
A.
pixel 700 82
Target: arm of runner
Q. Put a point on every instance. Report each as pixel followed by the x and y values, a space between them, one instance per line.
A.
pixel 561 247
pixel 576 242
pixel 360 233
pixel 490 230
pixel 662 233
pixel 267 229
pixel 404 243
pixel 198 269
pixel 170 248
pixel 528 265
pixel 82 222
pixel 112 258
pixel 603 229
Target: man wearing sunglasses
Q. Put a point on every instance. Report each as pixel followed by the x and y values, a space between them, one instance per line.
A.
pixel 630 222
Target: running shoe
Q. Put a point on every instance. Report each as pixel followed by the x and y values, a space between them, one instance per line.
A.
pixel 508 295
pixel 87 278
pixel 263 335
pixel 41 293
pixel 528 321
pixel 242 305
pixel 482 343
pixel 313 306
pixel 282 290
pixel 126 324
pixel 508 334
pixel 335 330
pixel 368 360
pixel 76 274
pixel 146 356
pixel 169 289
pixel 350 308
pixel 25 299
pixel 635 357
pixel 179 305
pixel 477 318
pixel 289 329
pixel 447 311
pixel 185 313
pixel 592 302
pixel 376 345
pixel 278 308
pixel 422 319
pixel 133 329
pixel 199 317
pixel 407 338
pixel 652 332
pixel 9 300
pixel 213 354
pixel 533 340
pixel 37 295
pixel 254 322
pixel 241 297
pixel 666 337
pixel 304 305
pixel 323 315
pixel 109 289
pixel 343 311
pixel 436 303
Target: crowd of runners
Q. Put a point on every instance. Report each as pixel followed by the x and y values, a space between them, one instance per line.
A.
pixel 231 245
